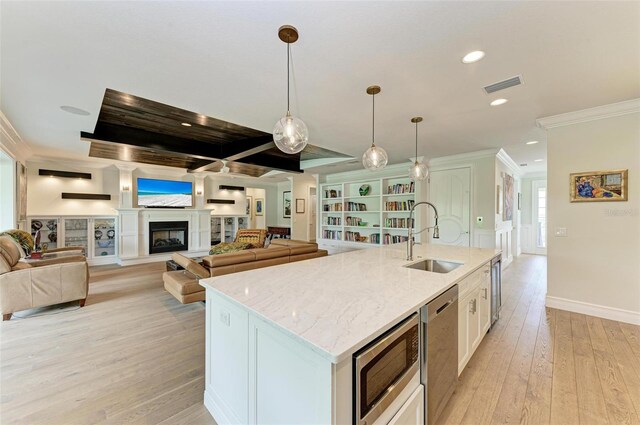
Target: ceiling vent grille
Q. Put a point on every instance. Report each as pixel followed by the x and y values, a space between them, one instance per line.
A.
pixel 501 85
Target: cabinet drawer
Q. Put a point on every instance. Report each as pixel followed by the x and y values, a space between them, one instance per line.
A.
pixel 473 280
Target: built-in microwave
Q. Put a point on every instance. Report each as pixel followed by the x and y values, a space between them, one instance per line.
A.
pixel 383 369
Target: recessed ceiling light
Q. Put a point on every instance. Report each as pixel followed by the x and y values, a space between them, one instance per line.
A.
pixel 533 142
pixel 498 102
pixel 524 164
pixel 472 57
pixel 74 110
pixel 538 160
pixel 186 124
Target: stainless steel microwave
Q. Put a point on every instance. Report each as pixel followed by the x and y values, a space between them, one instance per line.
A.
pixel 384 368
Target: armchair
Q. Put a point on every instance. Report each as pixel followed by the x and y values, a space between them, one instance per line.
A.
pixel 38 284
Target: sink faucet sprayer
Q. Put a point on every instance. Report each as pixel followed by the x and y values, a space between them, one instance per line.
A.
pixel 436 230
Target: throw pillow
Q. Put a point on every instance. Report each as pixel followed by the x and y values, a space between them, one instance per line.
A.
pixel 226 247
pixel 22 238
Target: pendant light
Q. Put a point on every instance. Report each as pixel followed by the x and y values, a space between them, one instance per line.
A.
pixel 290 133
pixel 418 170
pixel 374 158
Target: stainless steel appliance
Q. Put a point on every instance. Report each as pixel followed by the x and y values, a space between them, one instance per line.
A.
pixel 384 368
pixel 496 288
pixel 439 363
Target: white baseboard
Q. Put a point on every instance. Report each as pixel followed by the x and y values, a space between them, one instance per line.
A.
pixel 611 313
pixel 220 415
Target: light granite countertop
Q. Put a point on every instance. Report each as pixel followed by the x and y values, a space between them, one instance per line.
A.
pixel 339 303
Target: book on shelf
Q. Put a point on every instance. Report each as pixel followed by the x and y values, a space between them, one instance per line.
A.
pixel 353 221
pixel 332 193
pixel 399 205
pixel 355 206
pixel 397 189
pixel 389 239
pixel 333 221
pixel 332 234
pixel 399 223
pixel 332 207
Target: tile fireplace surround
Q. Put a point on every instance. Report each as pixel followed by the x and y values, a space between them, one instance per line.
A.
pixel 133 224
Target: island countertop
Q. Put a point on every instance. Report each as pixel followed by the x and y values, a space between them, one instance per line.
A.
pixel 339 303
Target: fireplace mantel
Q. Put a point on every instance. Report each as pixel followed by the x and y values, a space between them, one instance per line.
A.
pixel 134 232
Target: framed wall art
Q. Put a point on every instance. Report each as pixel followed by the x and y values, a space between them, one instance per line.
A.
pixel 286 204
pixel 299 206
pixel 599 186
pixel 259 210
pixel 507 213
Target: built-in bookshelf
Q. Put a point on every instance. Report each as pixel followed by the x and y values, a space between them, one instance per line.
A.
pixel 370 212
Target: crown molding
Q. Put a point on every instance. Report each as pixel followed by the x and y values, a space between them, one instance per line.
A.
pixel 11 142
pixel 591 114
pixel 509 162
pixel 469 156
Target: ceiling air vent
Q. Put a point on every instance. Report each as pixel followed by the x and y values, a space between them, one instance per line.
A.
pixel 501 85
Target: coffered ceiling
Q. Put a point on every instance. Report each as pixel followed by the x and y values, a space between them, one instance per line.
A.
pixel 224 60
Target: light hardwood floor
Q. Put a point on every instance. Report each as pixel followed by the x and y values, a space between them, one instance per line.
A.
pixel 136 355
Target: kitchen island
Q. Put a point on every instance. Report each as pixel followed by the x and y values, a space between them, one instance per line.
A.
pixel 280 340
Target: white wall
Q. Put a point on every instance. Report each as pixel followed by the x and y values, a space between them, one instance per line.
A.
pixel 44 193
pixel 300 190
pixel 596 268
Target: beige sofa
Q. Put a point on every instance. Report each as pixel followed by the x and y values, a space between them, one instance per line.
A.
pixel 38 284
pixel 280 251
pixel 183 284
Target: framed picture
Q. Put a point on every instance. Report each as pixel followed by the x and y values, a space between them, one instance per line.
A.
pixel 299 206
pixel 599 186
pixel 507 213
pixel 259 206
pixel 286 204
pixel 248 206
pixel 499 200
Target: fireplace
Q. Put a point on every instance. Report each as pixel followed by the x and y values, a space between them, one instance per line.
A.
pixel 168 236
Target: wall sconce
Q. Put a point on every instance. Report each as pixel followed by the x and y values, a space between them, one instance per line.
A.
pixel 198 192
pixel 125 188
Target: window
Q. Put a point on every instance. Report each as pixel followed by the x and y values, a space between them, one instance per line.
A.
pixel 541 240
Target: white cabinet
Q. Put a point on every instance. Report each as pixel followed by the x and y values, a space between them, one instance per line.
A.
pixel 412 412
pixel 257 374
pixel 224 228
pixel 474 313
pixel 97 235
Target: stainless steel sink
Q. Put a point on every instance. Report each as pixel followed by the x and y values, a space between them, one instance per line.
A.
pixel 435 266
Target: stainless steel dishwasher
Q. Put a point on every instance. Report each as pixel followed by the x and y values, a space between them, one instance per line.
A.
pixel 439 362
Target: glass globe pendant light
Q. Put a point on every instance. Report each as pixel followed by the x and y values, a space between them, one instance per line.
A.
pixel 290 133
pixel 374 158
pixel 418 170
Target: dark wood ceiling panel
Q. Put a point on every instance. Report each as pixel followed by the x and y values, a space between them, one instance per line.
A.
pixel 122 152
pixel 131 128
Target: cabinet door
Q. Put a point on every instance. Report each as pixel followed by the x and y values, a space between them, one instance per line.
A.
pixel 104 235
pixel 463 332
pixel 76 233
pixel 412 412
pixel 485 305
pixel 216 230
pixel 474 321
pixel 48 227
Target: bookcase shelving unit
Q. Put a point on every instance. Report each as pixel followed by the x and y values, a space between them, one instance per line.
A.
pixel 378 216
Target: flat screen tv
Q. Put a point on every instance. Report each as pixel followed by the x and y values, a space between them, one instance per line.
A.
pixel 164 193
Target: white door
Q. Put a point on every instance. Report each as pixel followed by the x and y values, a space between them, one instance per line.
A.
pixel 540 216
pixel 449 192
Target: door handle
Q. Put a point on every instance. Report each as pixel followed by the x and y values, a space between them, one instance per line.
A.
pixel 485 293
pixel 472 306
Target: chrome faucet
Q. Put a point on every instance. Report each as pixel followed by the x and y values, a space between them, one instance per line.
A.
pixel 436 230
